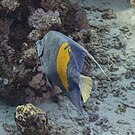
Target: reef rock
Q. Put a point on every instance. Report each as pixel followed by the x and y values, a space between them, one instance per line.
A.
pixel 132 2
pixel 42 21
pixel 31 120
pixel 10 4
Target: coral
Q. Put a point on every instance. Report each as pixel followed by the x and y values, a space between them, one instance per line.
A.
pixel 6 57
pixel 34 35
pixel 82 36
pixel 61 5
pixel 42 21
pixel 37 81
pixel 81 19
pixel 31 120
pixel 10 4
pixel 38 89
pixel 132 2
pixel 72 17
pixel 75 20
pixel 5 49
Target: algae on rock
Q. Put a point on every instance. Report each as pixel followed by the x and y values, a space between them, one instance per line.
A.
pixel 31 120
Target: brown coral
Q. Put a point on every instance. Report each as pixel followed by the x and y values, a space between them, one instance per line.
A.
pixel 31 120
pixel 42 21
pixel 5 49
pixel 10 4
pixel 61 5
pixel 75 20
pixel 132 2
pixel 38 89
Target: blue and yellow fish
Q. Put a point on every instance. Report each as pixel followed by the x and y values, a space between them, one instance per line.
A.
pixel 62 60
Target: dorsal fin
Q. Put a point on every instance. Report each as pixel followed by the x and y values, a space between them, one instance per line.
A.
pixel 82 53
pixel 79 56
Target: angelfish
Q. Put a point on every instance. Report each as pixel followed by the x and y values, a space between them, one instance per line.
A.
pixel 62 60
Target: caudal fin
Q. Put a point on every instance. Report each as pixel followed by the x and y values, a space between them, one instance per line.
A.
pixel 85 85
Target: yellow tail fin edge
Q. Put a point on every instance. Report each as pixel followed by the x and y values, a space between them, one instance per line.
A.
pixel 85 85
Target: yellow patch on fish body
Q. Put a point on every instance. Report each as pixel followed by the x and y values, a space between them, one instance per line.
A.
pixel 62 63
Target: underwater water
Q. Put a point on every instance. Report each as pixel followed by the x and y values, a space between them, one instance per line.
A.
pixel 109 36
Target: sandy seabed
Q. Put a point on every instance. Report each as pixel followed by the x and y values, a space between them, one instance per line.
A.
pixel 111 108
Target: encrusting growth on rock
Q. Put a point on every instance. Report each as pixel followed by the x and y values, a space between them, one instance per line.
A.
pixel 31 120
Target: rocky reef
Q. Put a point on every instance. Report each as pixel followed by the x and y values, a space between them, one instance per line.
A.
pixel 31 120
pixel 132 2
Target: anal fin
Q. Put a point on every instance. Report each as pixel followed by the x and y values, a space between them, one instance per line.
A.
pixel 74 96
